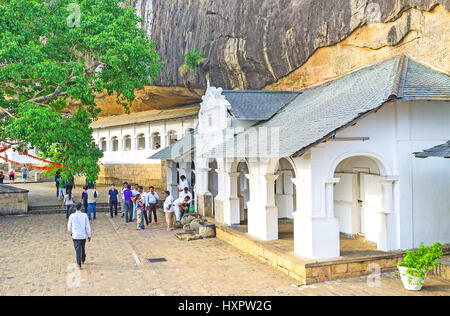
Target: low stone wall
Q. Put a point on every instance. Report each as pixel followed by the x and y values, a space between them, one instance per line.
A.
pixel 143 174
pixel 13 200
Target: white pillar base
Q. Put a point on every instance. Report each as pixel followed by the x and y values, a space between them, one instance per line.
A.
pixel 231 212
pixel 263 223
pixel 317 237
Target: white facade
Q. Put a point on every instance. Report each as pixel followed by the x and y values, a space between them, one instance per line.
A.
pixel 15 156
pixel 367 181
pixel 134 143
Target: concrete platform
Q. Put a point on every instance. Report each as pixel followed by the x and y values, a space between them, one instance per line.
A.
pixel 357 258
pixel 13 200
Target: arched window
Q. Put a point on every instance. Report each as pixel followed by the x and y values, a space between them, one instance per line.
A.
pixel 172 137
pixel 115 144
pixel 127 143
pixel 156 141
pixel 188 131
pixel 141 142
pixel 103 144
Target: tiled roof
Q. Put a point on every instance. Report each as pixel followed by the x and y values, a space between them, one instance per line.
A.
pixel 319 112
pixel 144 117
pixel 257 105
pixel 178 149
pixel 437 151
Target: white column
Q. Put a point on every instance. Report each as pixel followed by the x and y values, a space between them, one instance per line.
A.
pixel 316 233
pixel 172 184
pixel 231 211
pixel 386 217
pixel 329 196
pixel 262 212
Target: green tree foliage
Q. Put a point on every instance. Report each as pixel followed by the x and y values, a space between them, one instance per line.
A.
pixel 192 60
pixel 58 51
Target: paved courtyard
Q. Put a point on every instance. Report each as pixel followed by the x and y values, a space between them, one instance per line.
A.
pixel 36 258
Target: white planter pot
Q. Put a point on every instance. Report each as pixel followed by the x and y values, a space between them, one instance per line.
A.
pixel 411 283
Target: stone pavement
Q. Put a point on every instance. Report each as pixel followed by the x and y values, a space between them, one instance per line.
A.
pixel 37 256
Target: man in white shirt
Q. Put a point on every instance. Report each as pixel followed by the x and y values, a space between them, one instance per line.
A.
pixel 150 204
pixel 168 209
pixel 79 228
pixel 184 194
pixel 184 183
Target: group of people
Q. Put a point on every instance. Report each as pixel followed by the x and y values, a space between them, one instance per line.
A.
pixel 136 204
pixel 12 175
pixel 141 206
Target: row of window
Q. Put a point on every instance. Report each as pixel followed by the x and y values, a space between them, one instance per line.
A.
pixel 155 142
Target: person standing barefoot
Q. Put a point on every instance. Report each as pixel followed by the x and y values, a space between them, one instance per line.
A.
pixel 168 210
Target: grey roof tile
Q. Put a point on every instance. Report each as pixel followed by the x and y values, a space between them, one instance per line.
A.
pixel 257 105
pixel 437 151
pixel 321 111
pixel 177 149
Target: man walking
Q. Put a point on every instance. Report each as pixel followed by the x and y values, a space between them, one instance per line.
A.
pixel 92 203
pixel 24 174
pixel 150 203
pixel 112 200
pixel 79 228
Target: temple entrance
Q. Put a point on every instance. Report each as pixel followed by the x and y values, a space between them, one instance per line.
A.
pixel 358 201
pixel 243 191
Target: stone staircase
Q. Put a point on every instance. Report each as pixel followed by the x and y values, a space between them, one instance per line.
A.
pixel 56 209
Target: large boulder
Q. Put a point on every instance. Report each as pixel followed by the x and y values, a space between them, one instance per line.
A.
pixel 207 230
pixel 195 224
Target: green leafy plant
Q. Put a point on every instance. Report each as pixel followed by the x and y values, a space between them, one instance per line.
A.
pixel 422 260
pixel 192 60
pixel 55 57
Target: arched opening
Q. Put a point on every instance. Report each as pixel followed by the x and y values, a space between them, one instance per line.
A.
pixel 103 144
pixel 115 143
pixel 156 141
pixel 188 131
pixel 243 191
pixel 127 143
pixel 141 142
pixel 213 183
pixel 358 201
pixel 285 198
pixel 172 137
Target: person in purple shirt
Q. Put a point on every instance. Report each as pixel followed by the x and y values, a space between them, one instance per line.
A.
pixel 128 204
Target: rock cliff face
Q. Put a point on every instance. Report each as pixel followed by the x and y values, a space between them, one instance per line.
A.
pixel 285 44
pixel 250 44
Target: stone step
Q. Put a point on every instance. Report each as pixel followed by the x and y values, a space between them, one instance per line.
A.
pixel 56 209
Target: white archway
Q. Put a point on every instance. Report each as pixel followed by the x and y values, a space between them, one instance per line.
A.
pixel 363 201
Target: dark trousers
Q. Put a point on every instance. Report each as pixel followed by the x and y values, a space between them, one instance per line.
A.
pixel 152 209
pixel 85 205
pixel 80 250
pixel 145 217
pixel 69 209
pixel 111 205
pixel 57 189
pixel 128 211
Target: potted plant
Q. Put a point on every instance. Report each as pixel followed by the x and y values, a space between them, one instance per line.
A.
pixel 416 264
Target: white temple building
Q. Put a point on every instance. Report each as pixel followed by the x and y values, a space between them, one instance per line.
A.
pixel 338 159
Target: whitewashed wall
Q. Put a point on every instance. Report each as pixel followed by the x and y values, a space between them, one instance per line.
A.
pixel 135 156
pixel 421 195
